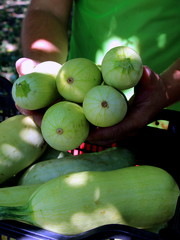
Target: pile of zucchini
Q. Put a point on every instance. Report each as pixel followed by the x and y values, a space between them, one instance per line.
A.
pixel 71 194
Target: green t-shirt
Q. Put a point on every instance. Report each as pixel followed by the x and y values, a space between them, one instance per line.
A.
pixel 150 27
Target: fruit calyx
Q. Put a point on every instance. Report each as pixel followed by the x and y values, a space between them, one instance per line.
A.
pixel 126 63
pixel 104 104
pixel 70 80
pixel 22 89
pixel 59 131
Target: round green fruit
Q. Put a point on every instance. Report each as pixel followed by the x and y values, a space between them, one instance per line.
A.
pixel 48 67
pixel 122 67
pixel 76 77
pixel 64 126
pixel 34 91
pixel 104 106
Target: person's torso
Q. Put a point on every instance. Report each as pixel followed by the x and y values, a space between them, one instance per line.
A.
pixel 150 27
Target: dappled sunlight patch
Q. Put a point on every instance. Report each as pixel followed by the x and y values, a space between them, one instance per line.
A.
pixel 81 221
pixel 31 136
pixel 77 179
pixel 162 40
pixel 115 41
pixel 105 214
pixel 9 152
pixel 97 194
pixel 44 45
pixel 30 133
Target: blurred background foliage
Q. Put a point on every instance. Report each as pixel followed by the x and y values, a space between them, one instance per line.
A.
pixel 11 15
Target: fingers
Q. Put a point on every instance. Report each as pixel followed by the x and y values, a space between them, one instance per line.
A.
pixel 140 111
pixel 146 79
pixel 37 115
pixel 38 118
pixel 25 66
pixel 24 111
pixel 109 135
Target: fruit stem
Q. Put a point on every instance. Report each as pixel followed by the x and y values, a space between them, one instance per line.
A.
pixel 15 213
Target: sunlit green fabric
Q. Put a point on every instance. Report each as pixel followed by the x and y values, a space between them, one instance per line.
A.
pixel 150 27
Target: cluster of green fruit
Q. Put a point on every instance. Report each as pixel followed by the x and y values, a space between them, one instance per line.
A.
pixel 90 94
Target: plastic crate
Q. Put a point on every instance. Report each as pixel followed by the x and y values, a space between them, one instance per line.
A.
pixel 156 144
pixel 7 106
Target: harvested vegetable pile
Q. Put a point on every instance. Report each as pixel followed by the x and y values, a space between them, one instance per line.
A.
pixel 72 194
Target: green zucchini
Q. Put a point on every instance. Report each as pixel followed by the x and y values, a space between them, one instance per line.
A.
pixel 109 159
pixel 16 195
pixel 21 144
pixel 138 196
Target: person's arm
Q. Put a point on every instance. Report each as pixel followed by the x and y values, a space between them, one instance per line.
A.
pixel 44 34
pixel 153 93
pixel 45 30
pixel 44 37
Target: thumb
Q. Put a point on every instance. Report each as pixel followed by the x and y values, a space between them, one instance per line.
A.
pixel 25 66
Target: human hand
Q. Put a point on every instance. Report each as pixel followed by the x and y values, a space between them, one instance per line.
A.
pixel 148 100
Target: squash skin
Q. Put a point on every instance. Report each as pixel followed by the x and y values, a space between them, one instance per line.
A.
pixel 21 143
pixel 141 197
pixel 29 93
pixel 109 159
pixel 16 195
